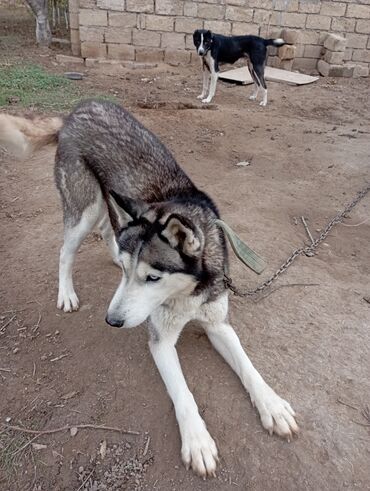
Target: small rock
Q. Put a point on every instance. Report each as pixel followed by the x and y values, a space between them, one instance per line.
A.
pixel 39 446
pixel 15 350
pixel 243 163
pixel 73 431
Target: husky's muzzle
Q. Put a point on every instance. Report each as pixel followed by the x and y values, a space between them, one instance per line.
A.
pixel 114 322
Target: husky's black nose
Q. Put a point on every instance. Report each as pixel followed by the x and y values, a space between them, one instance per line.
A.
pixel 114 322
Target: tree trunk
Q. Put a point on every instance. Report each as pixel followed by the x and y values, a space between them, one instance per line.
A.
pixel 43 32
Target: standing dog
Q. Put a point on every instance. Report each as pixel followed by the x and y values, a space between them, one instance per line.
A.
pixel 114 173
pixel 215 49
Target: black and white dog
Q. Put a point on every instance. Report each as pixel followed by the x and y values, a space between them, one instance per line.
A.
pixel 216 48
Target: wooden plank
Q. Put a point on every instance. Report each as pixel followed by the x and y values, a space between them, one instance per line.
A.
pixel 243 76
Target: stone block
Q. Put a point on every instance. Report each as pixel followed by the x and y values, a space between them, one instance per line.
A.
pixel 286 6
pixel 309 7
pixel 207 11
pixel 118 19
pixel 286 52
pixel 358 11
pixel 118 35
pixel 74 22
pixel 357 41
pixel 286 64
pixel 241 29
pixel 342 24
pixel 89 17
pixel 290 36
pixel 334 57
pixel 188 25
pixel 305 65
pixel 361 55
pixel 348 54
pixel 190 9
pixel 92 33
pixel 363 26
pixel 337 9
pixel 288 19
pixel 159 23
pixel 312 51
pixel 69 60
pixel 146 6
pixel 173 40
pixel 328 70
pixel 93 50
pixel 239 14
pixel 318 22
pixel 261 17
pixel 270 32
pixel 309 37
pixel 359 70
pixel 146 38
pixel 334 42
pixel 218 26
pixel 118 5
pixel 149 55
pixel 121 52
pixel 169 7
pixel 176 57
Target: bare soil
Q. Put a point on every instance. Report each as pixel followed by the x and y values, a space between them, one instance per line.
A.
pixel 309 154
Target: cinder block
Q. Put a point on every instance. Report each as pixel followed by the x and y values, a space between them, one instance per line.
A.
pixel 290 36
pixel 288 19
pixel 93 50
pixel 299 52
pixel 159 23
pixel 186 24
pixel 318 22
pixel 309 37
pixel 363 26
pixel 334 57
pixel 111 5
pixel 91 62
pixel 261 4
pixel 93 34
pixel 149 55
pixel 334 42
pixel 358 11
pixel 241 29
pixel 284 6
pixel 169 7
pixel 146 38
pixel 173 40
pixel 84 4
pixel 146 6
pixel 361 55
pixel 342 24
pixel 93 17
pixel 208 11
pixel 189 44
pixel 328 70
pixel 305 65
pixel 286 52
pixel 357 41
pixel 359 70
pixel 286 64
pixel 312 51
pixel 273 61
pixel 270 32
pixel 176 57
pixel 190 9
pixel 118 19
pixel 348 54
pixel 240 14
pixel 261 17
pixel 121 52
pixel 333 9
pixel 219 26
pixel 69 60
pixel 74 22
pixel 309 7
pixel 118 35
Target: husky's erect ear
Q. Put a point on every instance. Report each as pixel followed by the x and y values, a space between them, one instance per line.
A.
pixel 123 210
pixel 182 234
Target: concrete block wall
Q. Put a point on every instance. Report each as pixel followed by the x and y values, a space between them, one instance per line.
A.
pixel 161 30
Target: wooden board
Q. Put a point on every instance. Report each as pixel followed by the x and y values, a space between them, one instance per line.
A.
pixel 243 76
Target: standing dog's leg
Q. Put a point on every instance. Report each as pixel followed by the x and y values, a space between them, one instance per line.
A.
pixel 214 78
pixel 276 414
pixel 73 237
pixel 107 233
pixel 253 97
pixel 205 81
pixel 198 448
pixel 259 71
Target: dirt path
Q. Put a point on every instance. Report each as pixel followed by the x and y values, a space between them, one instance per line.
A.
pixel 309 152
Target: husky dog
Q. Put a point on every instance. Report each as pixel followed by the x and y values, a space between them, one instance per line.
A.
pixel 113 173
pixel 215 49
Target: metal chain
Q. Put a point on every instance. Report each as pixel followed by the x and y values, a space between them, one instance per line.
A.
pixel 308 250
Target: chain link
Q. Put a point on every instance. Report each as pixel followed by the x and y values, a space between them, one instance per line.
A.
pixel 308 251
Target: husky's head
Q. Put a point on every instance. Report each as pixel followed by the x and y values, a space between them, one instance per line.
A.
pixel 202 41
pixel 161 257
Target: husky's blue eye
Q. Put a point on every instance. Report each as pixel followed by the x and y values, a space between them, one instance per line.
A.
pixel 152 277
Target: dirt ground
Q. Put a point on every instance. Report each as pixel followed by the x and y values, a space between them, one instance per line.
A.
pixel 309 154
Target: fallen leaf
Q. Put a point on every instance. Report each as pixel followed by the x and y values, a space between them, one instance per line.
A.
pixel 73 431
pixel 103 449
pixel 39 446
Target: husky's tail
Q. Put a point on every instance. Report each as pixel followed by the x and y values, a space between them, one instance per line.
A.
pixel 21 136
pixel 275 42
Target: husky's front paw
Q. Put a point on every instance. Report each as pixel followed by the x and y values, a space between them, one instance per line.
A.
pixel 67 301
pixel 253 97
pixel 277 416
pixel 263 103
pixel 201 96
pixel 199 450
pixel 207 100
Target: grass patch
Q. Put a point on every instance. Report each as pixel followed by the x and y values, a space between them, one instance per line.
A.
pixel 32 86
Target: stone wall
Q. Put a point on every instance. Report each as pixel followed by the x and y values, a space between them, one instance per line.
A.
pixel 161 30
